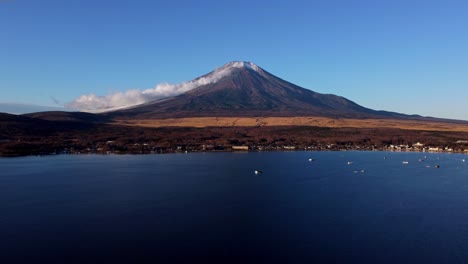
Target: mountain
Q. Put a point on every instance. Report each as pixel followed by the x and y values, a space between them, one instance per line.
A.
pixel 68 116
pixel 16 108
pixel 238 89
pixel 14 126
pixel 243 89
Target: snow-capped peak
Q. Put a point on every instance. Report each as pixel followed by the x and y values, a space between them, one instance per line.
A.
pixel 242 64
pixel 229 67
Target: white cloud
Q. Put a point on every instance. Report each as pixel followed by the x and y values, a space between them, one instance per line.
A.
pixel 116 100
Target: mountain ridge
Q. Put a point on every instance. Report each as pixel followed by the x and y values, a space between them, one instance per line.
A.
pixel 245 89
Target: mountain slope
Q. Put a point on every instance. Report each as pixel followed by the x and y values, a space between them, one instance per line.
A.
pixel 244 89
pixel 14 126
pixel 16 108
pixel 68 116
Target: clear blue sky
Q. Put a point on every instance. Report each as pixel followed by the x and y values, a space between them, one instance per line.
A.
pixel 403 56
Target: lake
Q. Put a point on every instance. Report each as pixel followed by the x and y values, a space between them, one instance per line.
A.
pixel 212 207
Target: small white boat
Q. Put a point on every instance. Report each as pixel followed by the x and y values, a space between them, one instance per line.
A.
pixel 258 172
pixel 350 162
pixel 405 162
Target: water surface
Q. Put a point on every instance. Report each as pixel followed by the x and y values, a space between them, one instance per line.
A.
pixel 212 207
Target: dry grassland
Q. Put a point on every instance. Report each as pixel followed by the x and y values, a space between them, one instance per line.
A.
pixel 296 121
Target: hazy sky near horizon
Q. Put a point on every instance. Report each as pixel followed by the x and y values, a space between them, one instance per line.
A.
pixel 402 56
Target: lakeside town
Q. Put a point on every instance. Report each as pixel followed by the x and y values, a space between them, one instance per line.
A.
pixel 115 147
pixel 145 148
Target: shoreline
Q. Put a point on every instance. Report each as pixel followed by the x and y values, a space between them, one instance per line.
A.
pixel 225 151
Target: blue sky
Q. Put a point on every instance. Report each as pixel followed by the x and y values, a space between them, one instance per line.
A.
pixel 403 56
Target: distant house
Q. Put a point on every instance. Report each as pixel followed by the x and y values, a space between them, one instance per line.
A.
pixel 207 147
pixel 418 145
pixel 289 147
pixel 244 148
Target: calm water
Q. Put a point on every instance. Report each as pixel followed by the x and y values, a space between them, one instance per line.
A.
pixel 212 207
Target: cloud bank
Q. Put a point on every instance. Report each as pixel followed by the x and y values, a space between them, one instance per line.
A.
pixel 118 100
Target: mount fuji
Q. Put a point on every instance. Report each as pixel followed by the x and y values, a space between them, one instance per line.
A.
pixel 243 89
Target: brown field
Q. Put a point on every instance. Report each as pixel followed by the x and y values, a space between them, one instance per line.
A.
pixel 21 136
pixel 200 122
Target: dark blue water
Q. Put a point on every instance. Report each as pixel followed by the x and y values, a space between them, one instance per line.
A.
pixel 211 207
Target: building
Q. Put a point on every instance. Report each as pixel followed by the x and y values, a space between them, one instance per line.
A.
pixel 244 148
